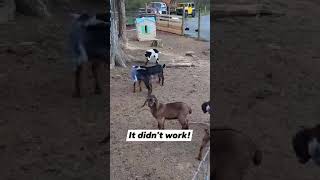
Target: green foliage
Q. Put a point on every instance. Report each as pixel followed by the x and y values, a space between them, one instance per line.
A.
pixel 134 5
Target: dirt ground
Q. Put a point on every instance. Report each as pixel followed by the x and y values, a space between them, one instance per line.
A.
pixel 265 82
pixel 158 160
pixel 44 132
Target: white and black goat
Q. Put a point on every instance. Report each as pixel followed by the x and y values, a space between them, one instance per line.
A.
pixel 152 53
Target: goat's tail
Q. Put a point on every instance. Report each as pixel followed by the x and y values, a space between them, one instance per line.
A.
pixel 257 157
pixel 190 110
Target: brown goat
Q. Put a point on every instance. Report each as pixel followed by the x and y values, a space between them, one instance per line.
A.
pixel 233 152
pixel 175 110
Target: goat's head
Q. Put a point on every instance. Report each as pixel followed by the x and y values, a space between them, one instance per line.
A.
pixel 205 107
pixel 151 100
pixel 300 145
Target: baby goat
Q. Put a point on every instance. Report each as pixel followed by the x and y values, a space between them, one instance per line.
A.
pixel 152 53
pixel 233 153
pixel 306 145
pixel 175 110
pixel 144 73
pixel 140 74
pixel 89 42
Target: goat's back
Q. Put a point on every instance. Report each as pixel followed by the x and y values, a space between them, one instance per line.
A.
pixel 175 109
pixel 156 69
pixel 233 154
pixel 97 40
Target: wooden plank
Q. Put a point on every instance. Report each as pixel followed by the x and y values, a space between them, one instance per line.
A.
pixel 168 16
pixel 174 31
pixel 164 23
pixel 177 65
pixel 173 26
pixel 169 23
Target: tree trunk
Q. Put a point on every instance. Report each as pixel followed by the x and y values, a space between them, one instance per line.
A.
pixel 117 56
pixel 122 23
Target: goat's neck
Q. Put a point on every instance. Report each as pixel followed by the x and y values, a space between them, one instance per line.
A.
pixel 155 109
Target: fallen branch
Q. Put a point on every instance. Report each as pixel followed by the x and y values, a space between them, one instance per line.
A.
pixel 175 65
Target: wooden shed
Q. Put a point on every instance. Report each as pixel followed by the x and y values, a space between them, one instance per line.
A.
pixel 146 28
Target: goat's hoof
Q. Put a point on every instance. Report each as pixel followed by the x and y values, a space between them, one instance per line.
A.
pixel 198 158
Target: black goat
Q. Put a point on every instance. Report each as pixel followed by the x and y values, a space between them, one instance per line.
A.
pixel 89 42
pixel 306 145
pixel 144 73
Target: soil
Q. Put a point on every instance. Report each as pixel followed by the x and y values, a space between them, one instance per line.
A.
pixel 265 82
pixel 158 160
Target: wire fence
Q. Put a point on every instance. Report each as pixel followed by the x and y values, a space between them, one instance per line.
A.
pixel 203 171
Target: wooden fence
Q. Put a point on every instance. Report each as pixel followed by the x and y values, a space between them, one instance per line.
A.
pixel 170 23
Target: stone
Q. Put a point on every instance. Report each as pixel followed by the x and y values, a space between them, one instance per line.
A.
pixel 190 53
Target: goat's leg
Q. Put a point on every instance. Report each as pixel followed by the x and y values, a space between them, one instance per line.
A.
pixel 95 66
pixel 140 89
pixel 183 121
pixel 150 88
pixel 147 83
pixel 162 76
pixel 77 82
pixel 160 123
pixel 205 140
pixel 134 87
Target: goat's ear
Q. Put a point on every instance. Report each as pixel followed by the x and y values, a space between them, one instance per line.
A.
pixel 144 103
pixel 206 130
pixel 300 145
pixel 204 107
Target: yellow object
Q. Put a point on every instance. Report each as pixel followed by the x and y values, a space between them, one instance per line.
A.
pixel 189 9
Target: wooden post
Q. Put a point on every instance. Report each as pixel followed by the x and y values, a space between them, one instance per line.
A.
pixel 183 16
pixel 146 8
pixel 199 20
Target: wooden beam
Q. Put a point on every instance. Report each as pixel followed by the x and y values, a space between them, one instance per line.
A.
pixel 174 31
